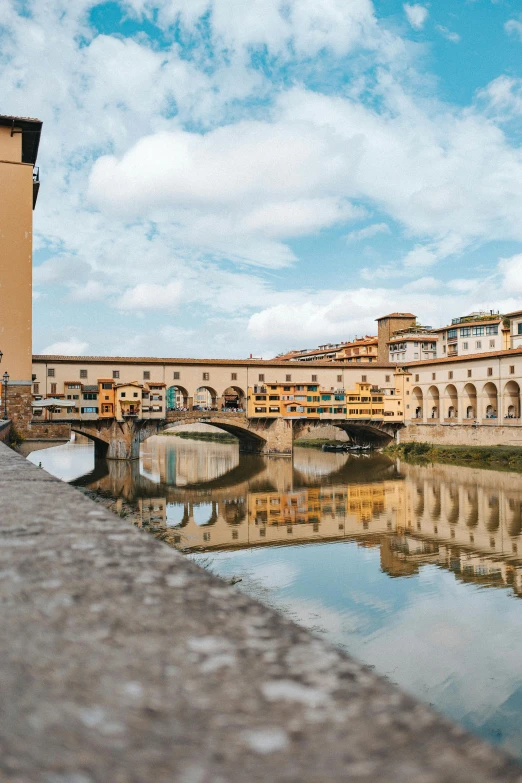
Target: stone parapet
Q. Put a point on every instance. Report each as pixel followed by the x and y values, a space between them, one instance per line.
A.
pixel 19 410
pixel 120 660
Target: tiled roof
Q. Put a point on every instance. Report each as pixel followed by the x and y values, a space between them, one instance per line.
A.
pixel 48 359
pixel 465 357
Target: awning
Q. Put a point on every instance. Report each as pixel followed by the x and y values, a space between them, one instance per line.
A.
pixel 54 403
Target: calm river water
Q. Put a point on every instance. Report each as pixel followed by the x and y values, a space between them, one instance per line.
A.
pixel 417 571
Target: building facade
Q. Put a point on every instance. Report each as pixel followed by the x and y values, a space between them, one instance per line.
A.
pixel 19 184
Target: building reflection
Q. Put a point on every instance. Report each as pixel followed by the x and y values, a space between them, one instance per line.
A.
pixel 200 497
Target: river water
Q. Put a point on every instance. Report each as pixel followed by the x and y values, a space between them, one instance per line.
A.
pixel 415 570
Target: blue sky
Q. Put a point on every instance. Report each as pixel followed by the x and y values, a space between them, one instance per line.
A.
pixel 222 178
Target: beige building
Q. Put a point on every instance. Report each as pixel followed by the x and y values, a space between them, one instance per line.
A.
pixel 19 184
pixel 477 389
pixel 186 376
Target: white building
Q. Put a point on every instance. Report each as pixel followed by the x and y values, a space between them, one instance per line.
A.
pixel 418 343
pixel 475 333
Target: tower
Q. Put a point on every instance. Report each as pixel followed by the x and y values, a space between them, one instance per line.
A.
pixel 19 184
pixel 387 325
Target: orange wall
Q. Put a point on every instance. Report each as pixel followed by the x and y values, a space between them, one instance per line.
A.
pixel 16 219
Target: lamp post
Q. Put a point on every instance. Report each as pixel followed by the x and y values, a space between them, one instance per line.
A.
pixel 6 381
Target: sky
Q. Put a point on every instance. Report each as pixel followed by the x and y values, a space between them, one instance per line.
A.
pixel 223 178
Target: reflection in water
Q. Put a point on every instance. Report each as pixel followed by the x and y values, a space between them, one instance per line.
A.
pixel 389 561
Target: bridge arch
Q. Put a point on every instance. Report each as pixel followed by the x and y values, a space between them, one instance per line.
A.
pixel 101 446
pixel 234 424
pixel 201 403
pixel 177 397
pixel 233 398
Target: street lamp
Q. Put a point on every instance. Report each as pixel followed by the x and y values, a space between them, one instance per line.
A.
pixel 6 381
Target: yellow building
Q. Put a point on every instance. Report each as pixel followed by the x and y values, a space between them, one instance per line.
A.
pixel 309 401
pixel 128 399
pixel 19 183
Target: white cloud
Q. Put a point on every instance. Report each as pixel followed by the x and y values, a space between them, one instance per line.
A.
pixel 368 232
pixel 511 269
pixel 449 35
pixel 503 97
pixel 149 296
pixel 514 27
pixel 70 347
pixel 416 15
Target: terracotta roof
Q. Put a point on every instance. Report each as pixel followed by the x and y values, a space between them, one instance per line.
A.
pixel 148 360
pixel 464 357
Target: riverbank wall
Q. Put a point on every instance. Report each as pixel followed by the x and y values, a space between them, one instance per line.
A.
pixel 461 435
pixel 121 660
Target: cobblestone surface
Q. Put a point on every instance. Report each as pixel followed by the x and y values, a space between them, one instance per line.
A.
pixel 123 662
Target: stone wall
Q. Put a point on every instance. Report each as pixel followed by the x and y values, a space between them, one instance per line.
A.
pixel 44 430
pixel 326 431
pixel 461 435
pixel 19 410
pixel 5 429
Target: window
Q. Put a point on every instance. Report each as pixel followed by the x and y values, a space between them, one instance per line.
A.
pixel 146 375
pixel 339 379
pixel 452 333
pixel 490 370
pixel 288 378
pixel 83 373
pixel 491 343
pixel 433 375
pixel 477 330
pixel 36 388
pixel 115 373
pixel 519 330
pixel 136 394
pixel 478 344
pixel 492 329
pixel 123 394
pixel 89 410
pixel 469 373
pixel 106 385
pixel 53 388
pixel 89 396
pixel 233 376
pixel 364 378
pixel 206 376
pixel 416 377
pixel 512 369
pixel 465 346
pixel 176 376
pixel 450 374
pixel 386 378
pixel 314 378
pixel 50 372
pixel 465 331
pixel 261 377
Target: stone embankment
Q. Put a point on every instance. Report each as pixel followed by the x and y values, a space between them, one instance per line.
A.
pixel 120 660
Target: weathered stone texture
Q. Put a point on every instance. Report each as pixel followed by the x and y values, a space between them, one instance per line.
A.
pixel 123 662
pixel 19 409
pixel 462 435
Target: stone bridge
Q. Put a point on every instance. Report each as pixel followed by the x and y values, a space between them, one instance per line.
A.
pixel 121 439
